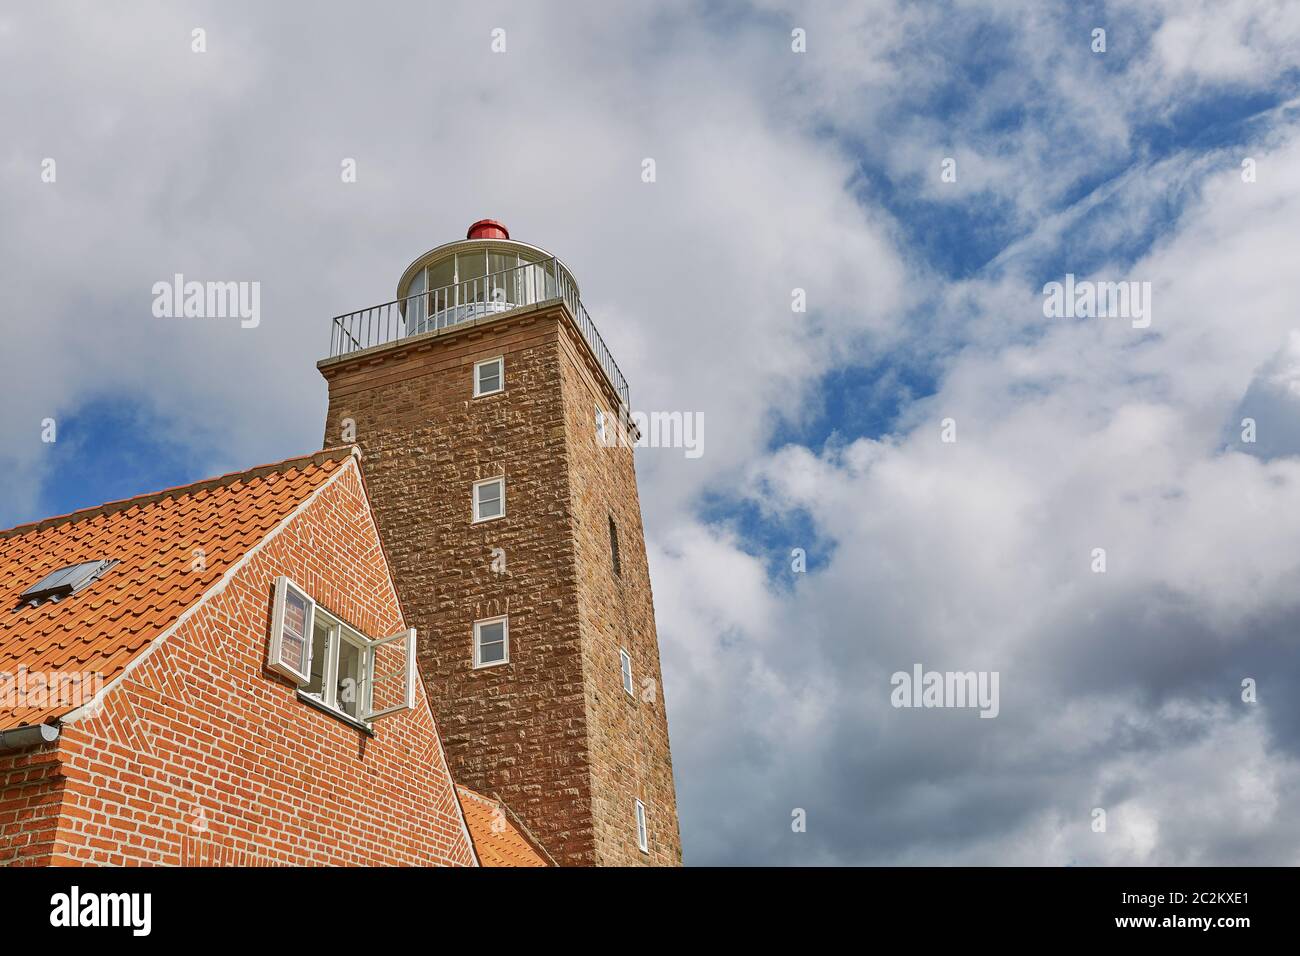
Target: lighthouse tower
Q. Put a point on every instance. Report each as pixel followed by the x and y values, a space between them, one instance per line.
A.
pixel 487 408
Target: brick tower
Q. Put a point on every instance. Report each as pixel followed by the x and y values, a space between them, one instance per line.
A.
pixel 487 408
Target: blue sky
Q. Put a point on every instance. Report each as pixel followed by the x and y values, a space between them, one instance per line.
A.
pixel 777 170
pixel 110 449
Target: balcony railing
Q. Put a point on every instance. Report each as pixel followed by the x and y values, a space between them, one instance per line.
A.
pixel 529 284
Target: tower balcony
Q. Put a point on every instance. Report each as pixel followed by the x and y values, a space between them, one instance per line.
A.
pixel 481 277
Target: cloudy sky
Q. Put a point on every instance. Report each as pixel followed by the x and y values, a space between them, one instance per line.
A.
pixel 1172 158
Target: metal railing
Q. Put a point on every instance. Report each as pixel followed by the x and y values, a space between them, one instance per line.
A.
pixel 527 284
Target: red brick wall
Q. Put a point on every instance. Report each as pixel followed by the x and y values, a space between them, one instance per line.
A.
pixel 31 789
pixel 202 756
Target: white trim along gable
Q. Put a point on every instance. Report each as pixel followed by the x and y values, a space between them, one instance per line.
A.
pixel 92 708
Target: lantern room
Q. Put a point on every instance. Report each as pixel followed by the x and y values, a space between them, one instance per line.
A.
pixel 485 273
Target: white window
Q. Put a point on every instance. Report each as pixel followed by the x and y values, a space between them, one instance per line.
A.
pixel 341 669
pixel 291 628
pixel 642 837
pixel 625 664
pixel 489 499
pixel 489 376
pixel 600 425
pixel 492 642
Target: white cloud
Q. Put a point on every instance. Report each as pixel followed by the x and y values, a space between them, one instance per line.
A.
pixel 773 170
pixel 1079 434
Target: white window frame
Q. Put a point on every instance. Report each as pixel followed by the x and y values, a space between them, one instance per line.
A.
pixel 473 497
pixel 625 671
pixel 500 361
pixel 339 632
pixel 504 620
pixel 642 828
pixel 283 588
pixel 368 710
pixel 600 426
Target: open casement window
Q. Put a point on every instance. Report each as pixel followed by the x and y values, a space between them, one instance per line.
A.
pixel 338 678
pixel 342 669
pixel 292 621
pixel 390 683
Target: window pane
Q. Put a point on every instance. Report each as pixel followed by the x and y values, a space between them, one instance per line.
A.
pixel 471 265
pixel 470 268
pixel 293 640
pixel 442 294
pixel 349 690
pixel 489 500
pixel 319 654
pixel 441 274
pixel 503 278
pixel 489 377
pixel 415 306
pixel 490 641
pixel 492 653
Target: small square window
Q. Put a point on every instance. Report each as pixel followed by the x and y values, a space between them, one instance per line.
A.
pixel 492 642
pixel 489 499
pixel 642 837
pixel 625 664
pixel 489 376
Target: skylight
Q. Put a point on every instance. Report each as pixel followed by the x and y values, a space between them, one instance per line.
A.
pixel 65 581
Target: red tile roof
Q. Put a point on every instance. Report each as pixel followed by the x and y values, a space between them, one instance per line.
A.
pixel 154 538
pixel 499 840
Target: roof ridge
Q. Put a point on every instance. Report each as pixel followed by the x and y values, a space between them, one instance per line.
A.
pixel 337 453
pixel 482 798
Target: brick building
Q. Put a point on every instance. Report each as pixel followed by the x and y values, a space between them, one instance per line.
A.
pixel 142 720
pixel 314 662
pixel 492 418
